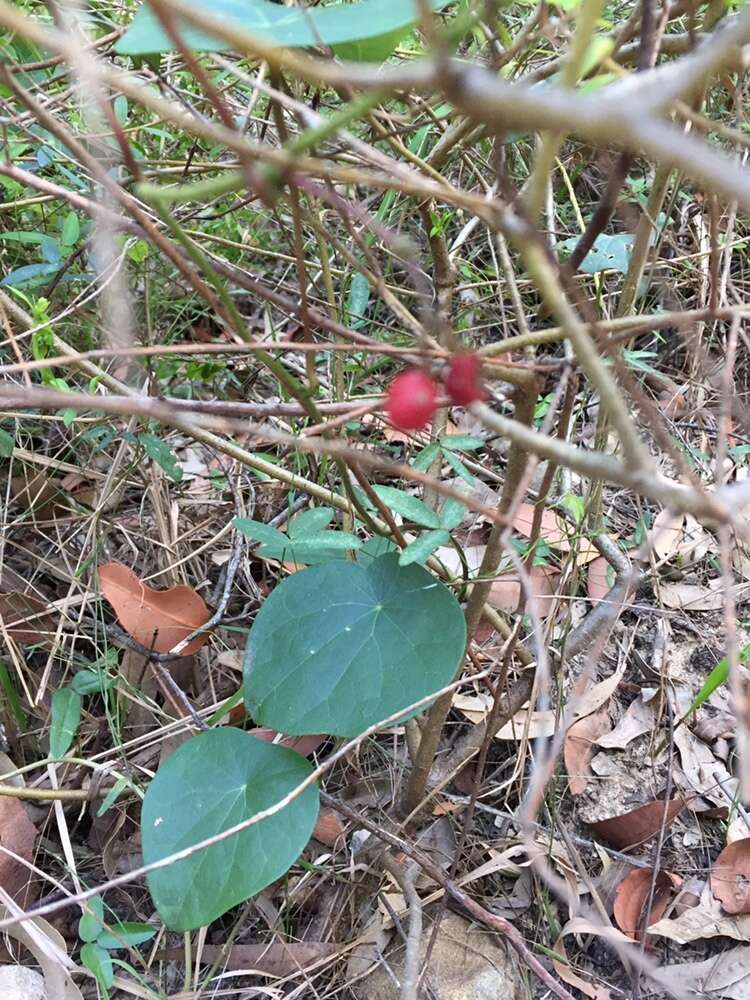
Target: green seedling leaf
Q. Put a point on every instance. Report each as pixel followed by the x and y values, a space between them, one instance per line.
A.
pixel 408 506
pixel 71 230
pixel 98 961
pixel 338 541
pixel 6 444
pixel 306 546
pixel 314 520
pixel 426 457
pixel 718 676
pixel 357 301
pixel 461 442
pixel 91 682
pixel 452 513
pixel 125 935
pixel 340 646
pixel 112 796
pixel 260 532
pixel 458 467
pixel 29 276
pixel 575 506
pixel 91 923
pixel 158 450
pixel 420 550
pixel 209 784
pixel 609 253
pixel 367 30
pixel 66 716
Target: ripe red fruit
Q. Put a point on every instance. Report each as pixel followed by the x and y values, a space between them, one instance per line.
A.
pixel 412 400
pixel 462 380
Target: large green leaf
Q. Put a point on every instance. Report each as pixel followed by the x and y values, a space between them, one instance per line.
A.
pixel 209 784
pixel 337 647
pixel 367 30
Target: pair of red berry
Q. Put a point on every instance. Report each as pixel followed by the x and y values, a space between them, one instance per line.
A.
pixel 412 396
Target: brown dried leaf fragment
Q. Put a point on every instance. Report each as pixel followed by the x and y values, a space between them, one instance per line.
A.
pixel 639 825
pixel 579 748
pixel 632 896
pixel 157 619
pixel 730 877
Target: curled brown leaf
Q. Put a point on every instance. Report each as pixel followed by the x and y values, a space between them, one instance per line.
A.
pixel 639 825
pixel 632 898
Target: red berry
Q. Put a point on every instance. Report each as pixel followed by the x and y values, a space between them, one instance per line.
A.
pixel 462 380
pixel 412 400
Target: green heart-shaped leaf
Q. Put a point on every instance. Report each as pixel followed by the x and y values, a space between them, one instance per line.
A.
pixel 340 646
pixel 209 784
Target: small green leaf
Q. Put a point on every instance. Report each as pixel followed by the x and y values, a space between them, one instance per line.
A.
pixel 125 935
pixel 420 550
pixel 138 252
pixel 120 106
pixel 575 506
pixel 313 520
pixel 71 230
pixel 452 513
pixel 91 924
pixel 461 442
pixel 158 450
pixel 6 444
pixel 98 961
pixel 609 253
pixel 91 682
pixel 337 647
pixel 458 467
pixel 339 541
pixel 408 506
pixel 112 796
pixel 357 301
pixel 66 716
pixel 260 532
pixel 718 676
pixel 426 457
pixel 211 783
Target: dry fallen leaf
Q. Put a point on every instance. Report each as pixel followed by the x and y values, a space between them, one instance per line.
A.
pixel 632 897
pixel 157 619
pixel 666 533
pixel 26 618
pixel 725 975
pixel 730 877
pixel 48 948
pixel 597 579
pixel 17 834
pixel 639 718
pixel 329 828
pixel 693 597
pixel 551 529
pixel 565 971
pixel 678 536
pixel 639 825
pixel 579 747
pixel 505 592
pixel 304 745
pixel 279 958
pixel 706 920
